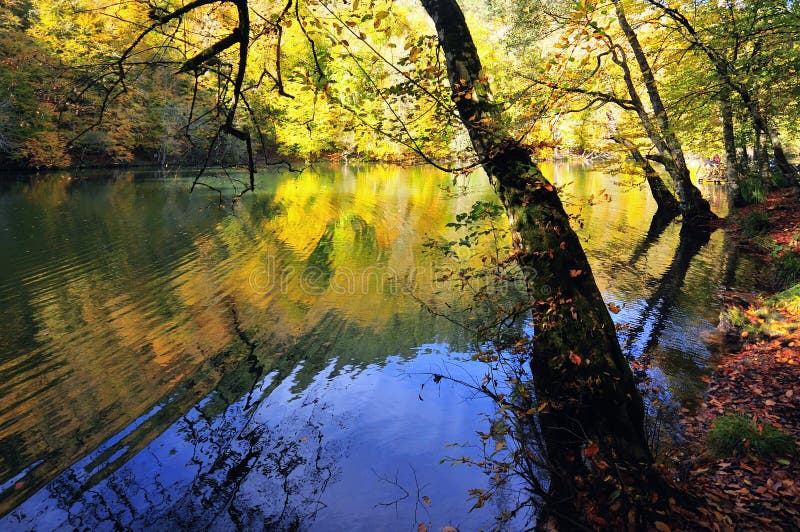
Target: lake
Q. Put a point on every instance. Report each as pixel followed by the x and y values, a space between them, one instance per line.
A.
pixel 166 362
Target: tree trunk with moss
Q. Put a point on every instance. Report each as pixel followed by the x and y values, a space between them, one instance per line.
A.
pixel 578 366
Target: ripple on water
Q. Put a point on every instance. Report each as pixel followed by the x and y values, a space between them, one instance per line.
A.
pixel 146 360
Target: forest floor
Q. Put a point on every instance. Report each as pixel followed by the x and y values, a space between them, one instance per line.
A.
pixel 757 487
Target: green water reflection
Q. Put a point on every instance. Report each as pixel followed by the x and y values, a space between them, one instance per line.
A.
pixel 120 292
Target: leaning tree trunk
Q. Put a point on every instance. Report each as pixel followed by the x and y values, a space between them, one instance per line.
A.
pixel 579 369
pixel 667 204
pixel 693 206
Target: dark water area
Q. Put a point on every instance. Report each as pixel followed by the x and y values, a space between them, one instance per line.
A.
pixel 165 362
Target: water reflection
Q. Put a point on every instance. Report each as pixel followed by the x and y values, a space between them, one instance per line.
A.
pixel 186 364
pixel 666 284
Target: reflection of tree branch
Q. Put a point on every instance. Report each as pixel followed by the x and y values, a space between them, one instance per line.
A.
pixel 419 498
pixel 396 483
pixel 435 312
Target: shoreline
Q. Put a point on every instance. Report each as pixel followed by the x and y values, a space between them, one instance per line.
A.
pixel 754 382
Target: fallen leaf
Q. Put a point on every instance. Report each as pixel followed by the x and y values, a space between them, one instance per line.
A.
pixel 614 308
pixel 426 500
pixel 575 273
pixel 422 527
pixel 591 450
pixel 662 526
pixel 575 358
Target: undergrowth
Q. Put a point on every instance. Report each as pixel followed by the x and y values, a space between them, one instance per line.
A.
pixel 736 434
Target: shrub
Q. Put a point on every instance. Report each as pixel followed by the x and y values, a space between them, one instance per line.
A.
pixel 755 223
pixel 733 434
pixel 787 269
pixel 752 189
pixel 788 299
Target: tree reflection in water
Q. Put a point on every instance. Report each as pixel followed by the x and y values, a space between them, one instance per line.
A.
pixel 228 465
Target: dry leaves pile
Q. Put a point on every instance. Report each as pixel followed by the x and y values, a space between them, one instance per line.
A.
pixel 755 495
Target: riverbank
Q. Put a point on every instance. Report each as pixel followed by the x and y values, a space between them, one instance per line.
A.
pixel 741 451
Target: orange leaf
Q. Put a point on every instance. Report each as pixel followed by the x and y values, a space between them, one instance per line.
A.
pixel 426 500
pixel 661 526
pixel 575 273
pixel 422 527
pixel 575 358
pixel 613 307
pixel 591 450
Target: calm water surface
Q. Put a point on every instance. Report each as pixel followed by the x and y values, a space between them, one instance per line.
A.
pixel 165 362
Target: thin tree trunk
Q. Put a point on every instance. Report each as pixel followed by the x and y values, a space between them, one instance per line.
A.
pixel 693 206
pixel 733 171
pixel 786 169
pixel 761 158
pixel 726 72
pixel 762 125
pixel 578 367
pixel 667 204
pixel 728 138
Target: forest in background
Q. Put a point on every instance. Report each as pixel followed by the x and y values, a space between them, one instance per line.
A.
pixel 366 79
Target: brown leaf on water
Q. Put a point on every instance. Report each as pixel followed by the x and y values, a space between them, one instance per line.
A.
pixel 575 358
pixel 575 273
pixel 426 500
pixel 614 308
pixel 662 526
pixel 422 527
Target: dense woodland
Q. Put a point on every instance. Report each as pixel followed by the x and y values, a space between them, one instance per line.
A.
pixel 659 86
pixel 367 79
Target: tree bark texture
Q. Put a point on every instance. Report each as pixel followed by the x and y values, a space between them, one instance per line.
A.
pixel 577 363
